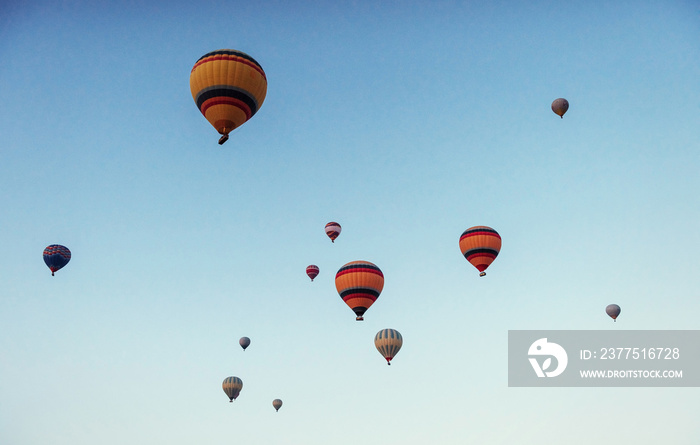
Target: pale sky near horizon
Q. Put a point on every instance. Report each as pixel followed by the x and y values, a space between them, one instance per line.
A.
pixel 406 122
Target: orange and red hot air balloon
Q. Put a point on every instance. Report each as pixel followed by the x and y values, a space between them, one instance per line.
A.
pixel 333 230
pixel 480 246
pixel 312 271
pixel 359 284
pixel 229 87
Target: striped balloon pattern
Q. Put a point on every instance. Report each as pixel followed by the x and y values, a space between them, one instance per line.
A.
pixel 388 342
pixel 232 387
pixel 480 246
pixel 359 284
pixel 228 87
pixel 56 256
pixel 277 403
pixel 333 230
pixel 312 271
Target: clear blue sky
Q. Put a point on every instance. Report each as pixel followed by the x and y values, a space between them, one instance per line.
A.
pixel 407 123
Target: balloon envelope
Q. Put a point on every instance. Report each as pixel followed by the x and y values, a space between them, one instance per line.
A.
pixel 613 311
pixel 312 271
pixel 359 284
pixel 333 230
pixel 232 387
pixel 480 245
pixel 229 87
pixel 244 342
pixel 559 106
pixel 56 256
pixel 277 403
pixel 388 342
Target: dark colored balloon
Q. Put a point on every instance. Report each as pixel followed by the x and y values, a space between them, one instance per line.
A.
pixel 613 311
pixel 232 387
pixel 56 256
pixel 559 106
pixel 244 342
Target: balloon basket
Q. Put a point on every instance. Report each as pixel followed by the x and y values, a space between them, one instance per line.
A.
pixel 223 139
pixel 482 274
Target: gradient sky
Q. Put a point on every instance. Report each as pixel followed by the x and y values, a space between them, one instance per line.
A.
pixel 407 123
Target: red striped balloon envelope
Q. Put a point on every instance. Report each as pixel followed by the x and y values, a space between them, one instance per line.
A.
pixel 359 284
pixel 480 246
pixel 312 271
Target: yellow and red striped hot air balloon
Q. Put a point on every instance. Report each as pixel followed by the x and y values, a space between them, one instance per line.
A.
pixel 229 87
pixel 359 284
pixel 480 246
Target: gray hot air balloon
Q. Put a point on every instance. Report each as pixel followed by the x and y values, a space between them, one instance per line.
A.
pixel 232 387
pixel 613 311
pixel 559 106
pixel 277 403
pixel 244 342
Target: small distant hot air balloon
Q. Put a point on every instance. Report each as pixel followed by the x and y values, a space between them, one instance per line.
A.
pixel 559 106
pixel 333 230
pixel 388 342
pixel 359 284
pixel 244 342
pixel 232 387
pixel 277 403
pixel 480 246
pixel 613 311
pixel 312 271
pixel 56 256
pixel 229 87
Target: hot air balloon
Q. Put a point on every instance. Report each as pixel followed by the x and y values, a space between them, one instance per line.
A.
pixel 56 256
pixel 333 230
pixel 312 271
pixel 229 87
pixel 359 284
pixel 613 311
pixel 244 342
pixel 559 106
pixel 480 246
pixel 388 343
pixel 277 403
pixel 232 387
